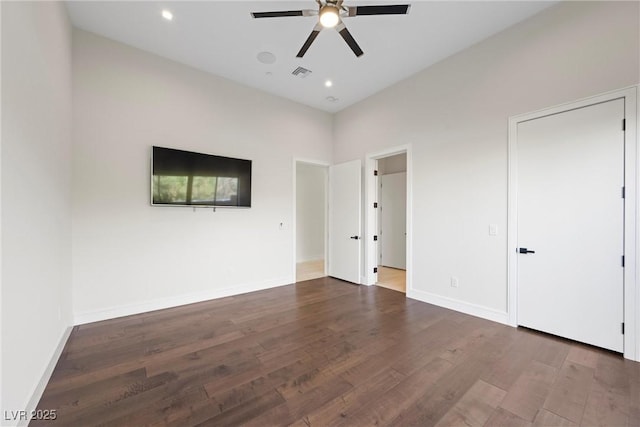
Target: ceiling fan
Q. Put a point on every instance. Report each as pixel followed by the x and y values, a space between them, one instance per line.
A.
pixel 330 13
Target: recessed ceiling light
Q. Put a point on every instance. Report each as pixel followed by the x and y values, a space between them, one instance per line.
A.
pixel 167 15
pixel 266 57
pixel 328 83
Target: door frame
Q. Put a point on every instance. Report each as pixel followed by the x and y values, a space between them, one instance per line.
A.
pixel 370 214
pixel 294 222
pixel 631 301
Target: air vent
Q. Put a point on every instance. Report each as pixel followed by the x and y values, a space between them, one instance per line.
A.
pixel 301 72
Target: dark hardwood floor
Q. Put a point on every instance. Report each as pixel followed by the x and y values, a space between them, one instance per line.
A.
pixel 324 352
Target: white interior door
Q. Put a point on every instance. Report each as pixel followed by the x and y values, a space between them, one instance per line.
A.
pixel 393 220
pixel 345 195
pixel 570 213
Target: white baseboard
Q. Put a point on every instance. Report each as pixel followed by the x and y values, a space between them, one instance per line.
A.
pixel 161 303
pixel 461 306
pixel 46 375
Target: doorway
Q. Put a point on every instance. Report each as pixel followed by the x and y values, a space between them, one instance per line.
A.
pixel 372 198
pixel 311 221
pixel 392 222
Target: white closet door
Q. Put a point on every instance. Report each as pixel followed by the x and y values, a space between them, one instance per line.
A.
pixel 570 224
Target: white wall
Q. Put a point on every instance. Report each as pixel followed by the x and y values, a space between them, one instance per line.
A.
pixel 455 116
pixel 310 211
pixel 392 164
pixel 129 256
pixel 36 196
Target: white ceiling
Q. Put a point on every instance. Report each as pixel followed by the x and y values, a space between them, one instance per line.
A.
pixel 222 38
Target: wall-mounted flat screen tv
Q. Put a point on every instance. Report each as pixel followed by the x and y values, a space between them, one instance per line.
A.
pixel 185 178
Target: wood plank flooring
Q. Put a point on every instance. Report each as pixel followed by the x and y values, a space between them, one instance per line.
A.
pixel 327 353
pixel 308 270
pixel 392 278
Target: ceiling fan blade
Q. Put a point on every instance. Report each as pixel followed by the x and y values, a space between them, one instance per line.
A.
pixel 391 9
pixel 310 39
pixel 284 13
pixel 346 35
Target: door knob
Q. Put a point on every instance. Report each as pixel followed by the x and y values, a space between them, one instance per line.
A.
pixel 355 237
pixel 526 251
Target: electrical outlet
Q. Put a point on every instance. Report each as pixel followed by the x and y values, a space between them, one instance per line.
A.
pixel 454 282
pixel 493 229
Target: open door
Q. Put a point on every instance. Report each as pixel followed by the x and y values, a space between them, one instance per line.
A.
pixel 393 220
pixel 345 217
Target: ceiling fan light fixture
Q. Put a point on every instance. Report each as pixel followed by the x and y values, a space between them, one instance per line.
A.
pixel 330 12
pixel 329 16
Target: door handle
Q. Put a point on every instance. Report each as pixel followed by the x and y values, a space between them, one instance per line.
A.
pixel 355 237
pixel 526 251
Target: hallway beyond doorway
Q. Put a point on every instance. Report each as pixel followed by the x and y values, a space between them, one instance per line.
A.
pixel 308 270
pixel 392 278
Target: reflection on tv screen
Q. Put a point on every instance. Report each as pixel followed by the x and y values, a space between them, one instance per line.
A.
pixel 186 178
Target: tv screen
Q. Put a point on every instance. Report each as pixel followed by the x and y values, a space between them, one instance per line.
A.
pixel 185 178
